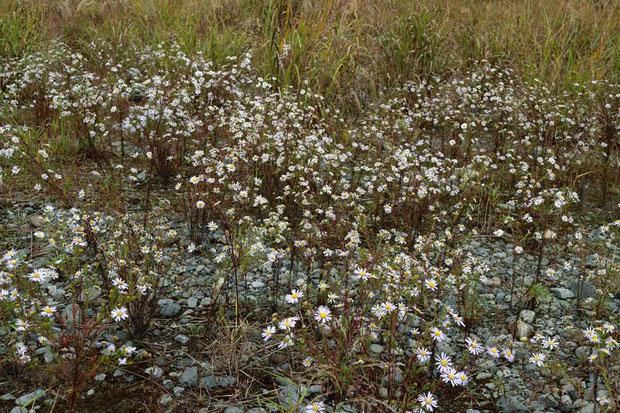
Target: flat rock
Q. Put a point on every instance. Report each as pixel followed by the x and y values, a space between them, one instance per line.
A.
pixel 165 399
pixel 36 221
pixel 510 404
pixel 444 347
pixel 563 293
pixel 527 316
pixel 90 294
pixel 523 330
pixel 189 377
pixel 277 359
pixel 493 282
pixel 28 398
pixel 71 317
pixel 155 372
pixel 192 302
pixel 346 408
pixel 483 375
pixel 170 309
pixel 588 408
pixel 289 396
pixel 583 289
pixel 376 348
pixel 211 382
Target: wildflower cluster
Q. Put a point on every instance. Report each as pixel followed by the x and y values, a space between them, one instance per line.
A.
pixel 111 271
pixel 367 235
